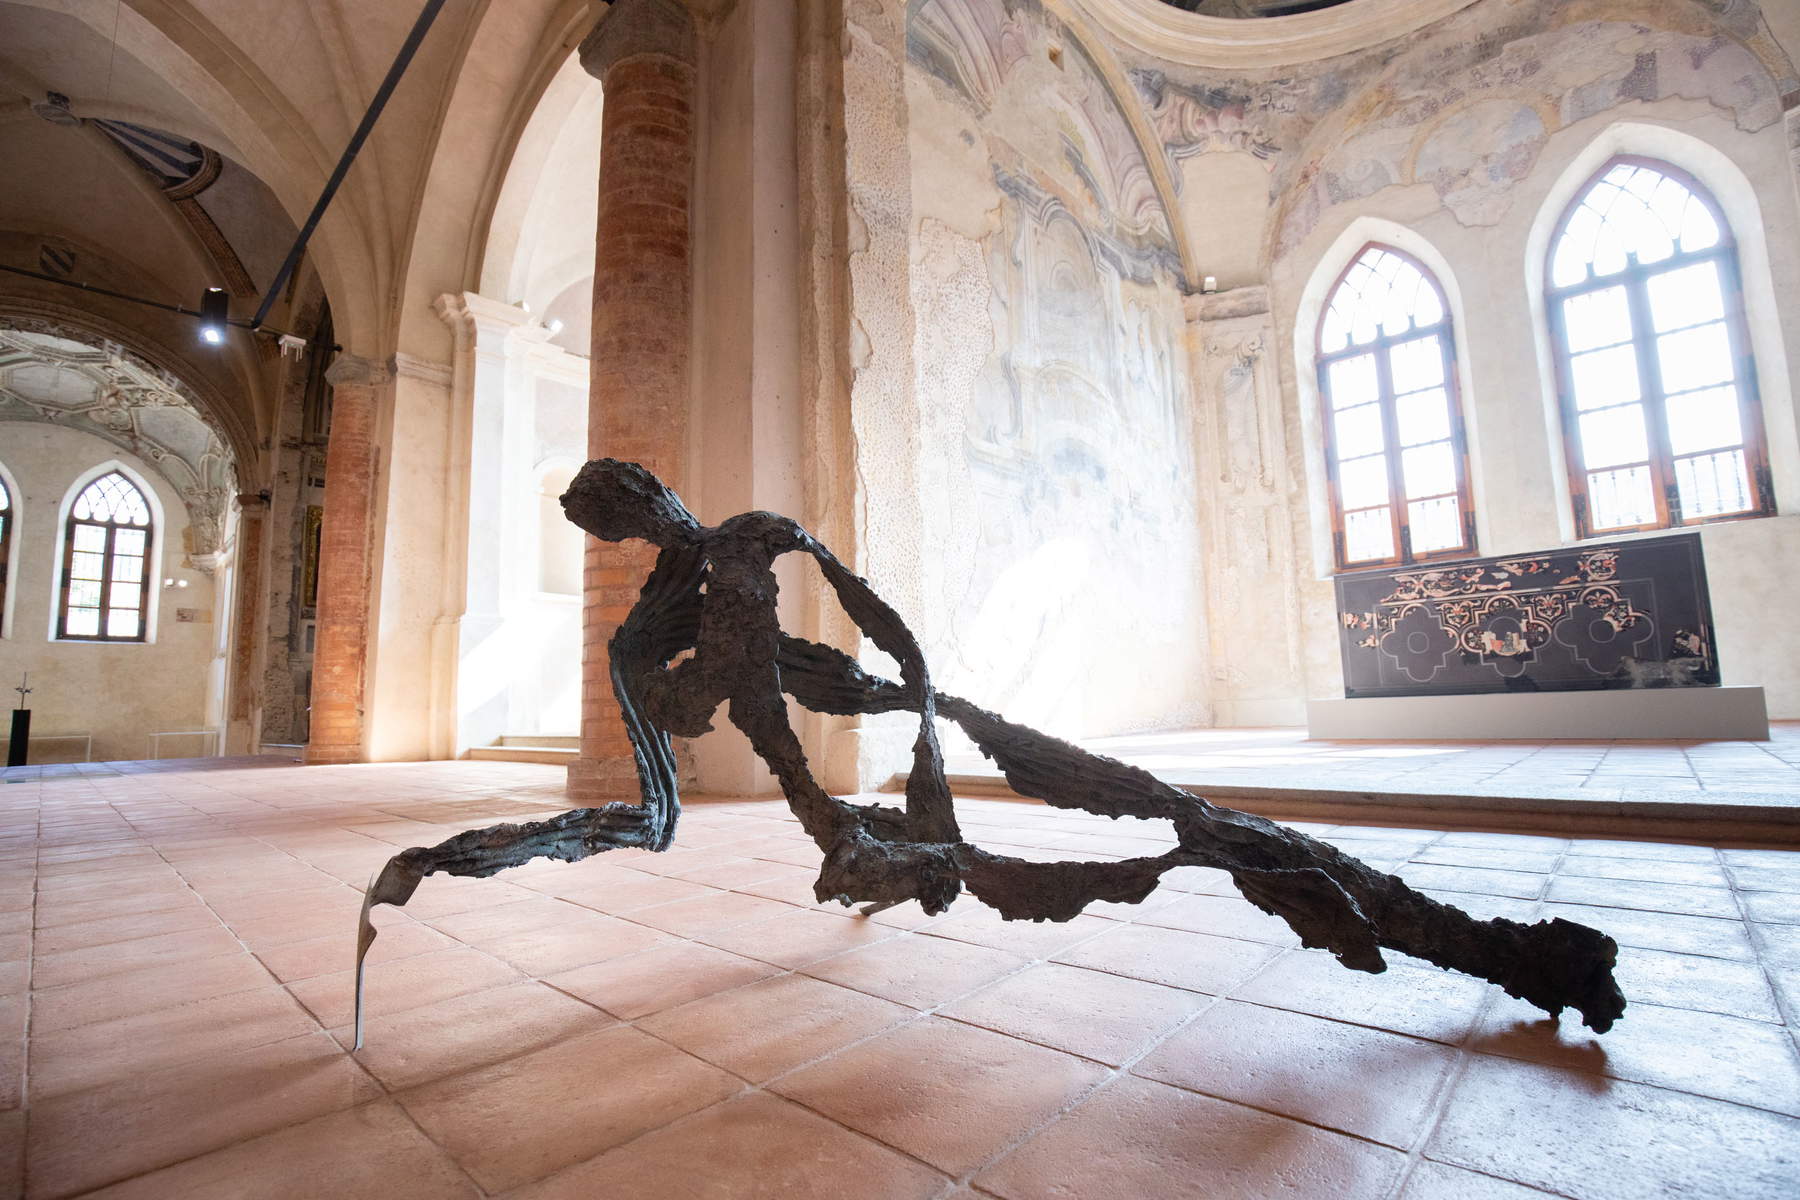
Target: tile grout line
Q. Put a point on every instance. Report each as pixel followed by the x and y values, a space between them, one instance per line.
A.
pixel 690 939
pixel 292 999
pixel 1783 1007
pixel 37 889
pixel 1466 1053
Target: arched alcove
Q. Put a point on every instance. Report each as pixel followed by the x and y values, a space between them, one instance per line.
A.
pixel 522 372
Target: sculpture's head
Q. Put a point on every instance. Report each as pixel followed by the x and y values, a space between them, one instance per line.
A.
pixel 616 500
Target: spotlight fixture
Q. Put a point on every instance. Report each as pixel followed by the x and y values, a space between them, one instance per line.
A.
pixel 215 306
pixel 54 108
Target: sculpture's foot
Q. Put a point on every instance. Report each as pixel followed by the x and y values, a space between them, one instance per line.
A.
pixel 395 885
pixel 1565 965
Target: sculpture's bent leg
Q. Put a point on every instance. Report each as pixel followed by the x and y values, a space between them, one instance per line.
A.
pixel 858 865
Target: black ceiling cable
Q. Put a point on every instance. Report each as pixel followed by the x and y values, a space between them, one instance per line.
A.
pixel 256 324
pixel 401 60
pixel 95 289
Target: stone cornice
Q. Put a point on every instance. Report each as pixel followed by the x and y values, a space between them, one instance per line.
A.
pixel 1183 37
pixel 1224 306
pixel 469 311
pixel 427 370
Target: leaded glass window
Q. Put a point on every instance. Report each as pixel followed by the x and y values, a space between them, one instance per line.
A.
pixel 1393 425
pixel 106 563
pixel 1658 388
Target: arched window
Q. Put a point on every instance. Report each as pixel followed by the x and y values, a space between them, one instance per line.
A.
pixel 106 563
pixel 1393 425
pixel 1657 385
pixel 6 528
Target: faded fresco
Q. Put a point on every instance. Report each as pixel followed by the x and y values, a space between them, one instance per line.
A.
pixel 1055 426
pixel 1466 106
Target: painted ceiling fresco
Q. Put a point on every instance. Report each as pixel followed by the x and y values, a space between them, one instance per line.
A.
pixel 1466 106
pixel 112 395
pixel 1246 9
pixel 982 49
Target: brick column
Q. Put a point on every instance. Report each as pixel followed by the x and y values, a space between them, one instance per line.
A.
pixel 642 52
pixel 346 541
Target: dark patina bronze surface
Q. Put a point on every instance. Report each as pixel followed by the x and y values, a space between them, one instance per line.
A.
pixel 713 592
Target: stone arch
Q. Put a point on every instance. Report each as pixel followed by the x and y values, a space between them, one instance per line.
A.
pixel 240 111
pixel 182 377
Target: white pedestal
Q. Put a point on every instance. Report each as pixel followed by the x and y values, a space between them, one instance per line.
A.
pixel 1730 713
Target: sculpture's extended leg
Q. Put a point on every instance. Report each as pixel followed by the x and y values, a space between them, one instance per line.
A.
pixel 571 836
pixel 1333 901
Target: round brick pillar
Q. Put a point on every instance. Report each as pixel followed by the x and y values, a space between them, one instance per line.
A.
pixel 642 51
pixel 346 543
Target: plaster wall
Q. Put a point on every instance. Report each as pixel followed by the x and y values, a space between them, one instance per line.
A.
pixel 409 696
pixel 119 692
pixel 522 419
pixel 1049 440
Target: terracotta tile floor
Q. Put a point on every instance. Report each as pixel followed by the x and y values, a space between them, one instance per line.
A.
pixel 175 938
pixel 1767 771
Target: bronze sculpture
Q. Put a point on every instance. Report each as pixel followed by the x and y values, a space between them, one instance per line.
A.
pixel 712 592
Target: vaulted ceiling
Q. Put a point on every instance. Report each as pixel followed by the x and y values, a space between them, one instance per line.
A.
pixel 158 147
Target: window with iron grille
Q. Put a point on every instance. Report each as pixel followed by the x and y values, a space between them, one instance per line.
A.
pixel 1657 384
pixel 1396 459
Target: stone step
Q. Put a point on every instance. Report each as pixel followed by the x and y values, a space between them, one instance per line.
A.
pixel 529 754
pixel 546 740
pixel 1700 817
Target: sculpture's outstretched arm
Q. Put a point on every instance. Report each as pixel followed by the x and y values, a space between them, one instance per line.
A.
pixel 661 625
pixel 1333 901
pixel 931 816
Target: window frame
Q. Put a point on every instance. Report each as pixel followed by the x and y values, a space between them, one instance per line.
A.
pixel 70 524
pixel 1665 491
pixel 1445 330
